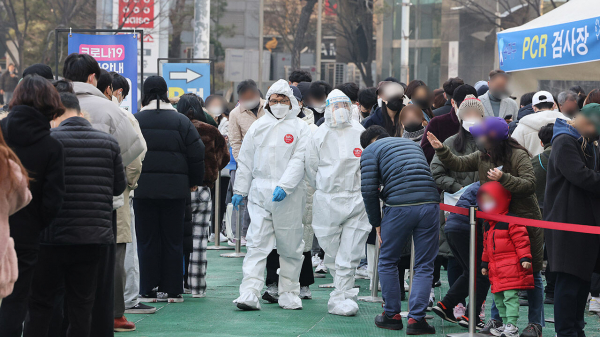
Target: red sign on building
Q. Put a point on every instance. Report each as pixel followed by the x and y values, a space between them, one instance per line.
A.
pixel 136 13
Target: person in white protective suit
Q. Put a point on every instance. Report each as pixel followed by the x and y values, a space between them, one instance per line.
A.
pixel 271 173
pixel 339 218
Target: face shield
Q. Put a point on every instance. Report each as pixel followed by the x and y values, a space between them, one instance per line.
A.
pixel 338 109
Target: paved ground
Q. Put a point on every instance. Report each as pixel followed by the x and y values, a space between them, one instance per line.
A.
pixel 216 315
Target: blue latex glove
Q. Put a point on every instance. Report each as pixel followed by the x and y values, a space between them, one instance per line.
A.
pixel 236 200
pixel 279 194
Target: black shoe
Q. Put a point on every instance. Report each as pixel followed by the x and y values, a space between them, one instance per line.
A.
pixel 464 322
pixel 549 300
pixel 270 298
pixel 532 330
pixel 491 324
pixel 447 314
pixel 419 327
pixel 391 323
pixel 523 294
pixel 141 308
pixel 523 303
pixel 151 297
pixel 437 284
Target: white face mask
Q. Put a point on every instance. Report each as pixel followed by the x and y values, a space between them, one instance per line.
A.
pixel 488 206
pixel 215 110
pixel 340 116
pixel 379 102
pixel 249 105
pixel 467 124
pixel 280 110
pixel 320 108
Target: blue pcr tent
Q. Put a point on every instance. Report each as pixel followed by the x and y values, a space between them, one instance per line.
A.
pixel 563 44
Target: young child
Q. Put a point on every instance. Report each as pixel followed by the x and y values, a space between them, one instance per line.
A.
pixel 506 257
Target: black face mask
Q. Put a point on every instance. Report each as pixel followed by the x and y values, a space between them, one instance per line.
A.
pixel 481 146
pixel 413 126
pixel 395 104
pixel 423 103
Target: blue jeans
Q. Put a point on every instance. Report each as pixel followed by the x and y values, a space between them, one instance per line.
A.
pixel 535 297
pixel 397 226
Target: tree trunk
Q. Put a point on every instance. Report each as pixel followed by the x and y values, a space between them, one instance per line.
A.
pixel 178 15
pixel 303 22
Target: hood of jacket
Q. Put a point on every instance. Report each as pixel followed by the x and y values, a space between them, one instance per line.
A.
pixel 81 88
pixel 282 87
pixel 25 125
pixel 524 111
pixel 562 127
pixel 500 195
pixel 537 120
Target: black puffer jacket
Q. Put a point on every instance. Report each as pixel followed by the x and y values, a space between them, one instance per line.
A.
pixel 175 158
pixel 93 175
pixel 27 132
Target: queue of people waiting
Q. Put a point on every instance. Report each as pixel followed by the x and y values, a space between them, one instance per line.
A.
pixel 102 205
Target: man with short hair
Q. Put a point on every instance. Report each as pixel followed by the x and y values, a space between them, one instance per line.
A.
pixel 449 86
pixel 526 132
pixel 298 76
pixel 39 69
pixel 497 101
pixel 105 116
pixel 105 84
pixel 568 103
pixel 241 118
pixel 317 95
pixel 446 125
pixel 367 99
pixel 411 209
pixel 8 82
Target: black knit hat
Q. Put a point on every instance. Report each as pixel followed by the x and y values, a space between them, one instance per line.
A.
pixel 155 85
pixel 39 69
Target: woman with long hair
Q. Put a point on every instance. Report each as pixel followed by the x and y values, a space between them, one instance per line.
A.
pixel 501 158
pixel 14 195
pixel 26 130
pixel 216 157
pixel 419 94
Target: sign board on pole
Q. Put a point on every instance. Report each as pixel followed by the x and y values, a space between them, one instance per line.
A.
pixel 114 53
pixel 183 78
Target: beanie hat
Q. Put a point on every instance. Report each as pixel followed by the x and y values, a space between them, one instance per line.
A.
pixel 303 87
pixel 470 102
pixel 462 92
pixel 591 111
pixel 39 69
pixel 155 86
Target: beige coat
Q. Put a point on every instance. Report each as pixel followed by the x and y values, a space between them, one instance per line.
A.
pixel 240 121
pixel 132 171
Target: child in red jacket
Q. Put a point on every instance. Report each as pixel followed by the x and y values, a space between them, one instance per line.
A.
pixel 506 257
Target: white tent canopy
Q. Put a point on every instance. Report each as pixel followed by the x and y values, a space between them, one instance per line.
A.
pixel 563 44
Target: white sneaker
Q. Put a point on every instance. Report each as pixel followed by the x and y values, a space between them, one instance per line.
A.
pixel 243 241
pixel 459 311
pixel 321 269
pixel 211 238
pixel 316 260
pixel 498 331
pixel 362 273
pixel 482 313
pixel 231 242
pixel 305 293
pixel 594 305
pixel 510 331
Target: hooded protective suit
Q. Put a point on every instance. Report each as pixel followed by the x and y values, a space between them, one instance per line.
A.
pixel 339 218
pixel 272 155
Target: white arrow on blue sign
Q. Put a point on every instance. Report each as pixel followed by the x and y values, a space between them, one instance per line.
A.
pixel 183 78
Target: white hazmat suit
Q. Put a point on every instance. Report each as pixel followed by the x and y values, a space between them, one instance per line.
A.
pixel 339 218
pixel 272 155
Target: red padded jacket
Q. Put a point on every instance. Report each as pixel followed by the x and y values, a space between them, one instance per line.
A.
pixel 505 246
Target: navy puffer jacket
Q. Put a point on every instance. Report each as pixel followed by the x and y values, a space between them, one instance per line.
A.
pixel 460 223
pixel 401 167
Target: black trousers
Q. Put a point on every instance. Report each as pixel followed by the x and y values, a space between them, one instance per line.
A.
pixel 73 268
pixel 307 277
pixel 459 244
pixel 570 298
pixel 14 307
pixel 159 230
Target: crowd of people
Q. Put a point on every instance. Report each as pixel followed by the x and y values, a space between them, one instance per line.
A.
pixel 101 206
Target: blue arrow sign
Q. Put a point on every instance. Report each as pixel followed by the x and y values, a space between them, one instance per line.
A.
pixel 183 78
